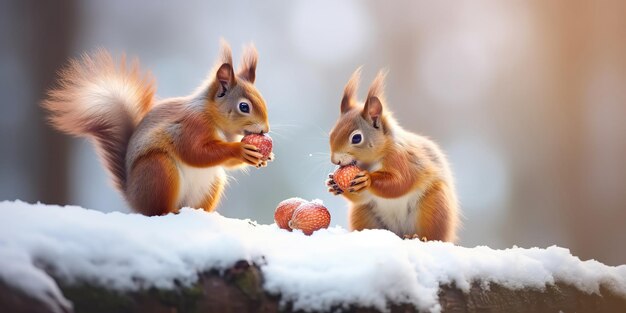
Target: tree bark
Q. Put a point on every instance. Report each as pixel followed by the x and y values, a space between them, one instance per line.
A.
pixel 239 289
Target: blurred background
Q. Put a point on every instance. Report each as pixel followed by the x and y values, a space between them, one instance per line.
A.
pixel 528 98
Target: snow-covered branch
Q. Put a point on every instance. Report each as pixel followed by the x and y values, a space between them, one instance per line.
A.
pixel 61 259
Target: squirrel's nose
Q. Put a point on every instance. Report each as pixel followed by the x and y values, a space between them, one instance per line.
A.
pixel 334 159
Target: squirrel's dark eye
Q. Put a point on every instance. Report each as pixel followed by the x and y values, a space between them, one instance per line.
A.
pixel 244 107
pixel 356 139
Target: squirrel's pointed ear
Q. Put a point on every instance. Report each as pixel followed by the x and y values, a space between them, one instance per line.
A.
pixel 225 75
pixel 349 92
pixel 247 71
pixel 373 108
pixel 372 111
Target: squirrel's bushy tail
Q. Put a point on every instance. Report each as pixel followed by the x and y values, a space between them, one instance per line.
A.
pixel 102 101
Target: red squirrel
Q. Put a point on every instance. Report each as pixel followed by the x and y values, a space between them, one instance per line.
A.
pixel 162 154
pixel 406 185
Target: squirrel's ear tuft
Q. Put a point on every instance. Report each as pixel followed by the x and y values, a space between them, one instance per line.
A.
pixel 226 54
pixel 247 71
pixel 349 92
pixel 373 108
pixel 377 88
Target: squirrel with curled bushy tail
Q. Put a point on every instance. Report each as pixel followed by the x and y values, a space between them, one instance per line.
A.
pixel 167 154
pixel 405 184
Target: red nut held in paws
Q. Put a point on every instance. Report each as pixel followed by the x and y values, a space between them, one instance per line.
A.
pixel 310 217
pixel 284 211
pixel 261 141
pixel 344 175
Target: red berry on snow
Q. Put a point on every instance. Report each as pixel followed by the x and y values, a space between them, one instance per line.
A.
pixel 284 211
pixel 310 217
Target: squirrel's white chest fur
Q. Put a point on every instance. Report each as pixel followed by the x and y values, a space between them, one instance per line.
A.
pixel 196 183
pixel 399 215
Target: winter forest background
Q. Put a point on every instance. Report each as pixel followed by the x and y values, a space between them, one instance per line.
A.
pixel 527 98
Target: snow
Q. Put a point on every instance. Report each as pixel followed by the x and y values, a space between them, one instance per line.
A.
pixel 331 268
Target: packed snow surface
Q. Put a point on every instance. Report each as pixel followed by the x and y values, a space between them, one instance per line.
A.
pixel 332 267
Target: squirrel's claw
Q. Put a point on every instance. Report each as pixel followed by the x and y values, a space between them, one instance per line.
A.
pixel 415 236
pixel 331 183
pixel 332 187
pixel 335 191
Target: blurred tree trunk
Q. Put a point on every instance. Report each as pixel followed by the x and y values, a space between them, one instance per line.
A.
pixel 582 44
pixel 42 38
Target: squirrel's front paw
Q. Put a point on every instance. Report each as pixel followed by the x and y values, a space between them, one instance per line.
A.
pixel 250 154
pixel 270 158
pixel 332 185
pixel 360 182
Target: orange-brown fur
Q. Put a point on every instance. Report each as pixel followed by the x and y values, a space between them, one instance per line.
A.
pixel 201 148
pixel 435 213
pixel 110 132
pixel 406 185
pixel 168 154
pixel 156 195
pixel 213 198
pixel 361 218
